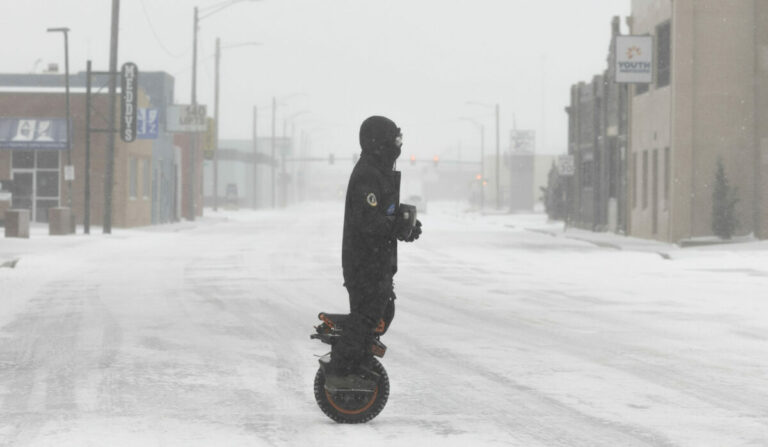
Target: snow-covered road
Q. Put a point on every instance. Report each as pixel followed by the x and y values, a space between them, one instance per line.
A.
pixel 197 334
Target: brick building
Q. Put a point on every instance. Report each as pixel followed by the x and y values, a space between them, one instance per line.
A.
pixel 148 172
pixel 597 139
pixel 35 172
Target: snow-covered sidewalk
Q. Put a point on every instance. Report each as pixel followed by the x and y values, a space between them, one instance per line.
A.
pixel 538 223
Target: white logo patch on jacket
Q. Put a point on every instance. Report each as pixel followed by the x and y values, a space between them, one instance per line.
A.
pixel 371 199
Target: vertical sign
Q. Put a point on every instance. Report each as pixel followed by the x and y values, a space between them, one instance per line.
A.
pixel 634 59
pixel 129 102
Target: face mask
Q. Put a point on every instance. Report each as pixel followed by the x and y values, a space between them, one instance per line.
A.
pixel 397 144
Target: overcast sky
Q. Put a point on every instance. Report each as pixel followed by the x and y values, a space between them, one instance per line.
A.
pixel 415 61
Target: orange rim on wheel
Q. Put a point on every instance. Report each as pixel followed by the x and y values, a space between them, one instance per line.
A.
pixel 352 412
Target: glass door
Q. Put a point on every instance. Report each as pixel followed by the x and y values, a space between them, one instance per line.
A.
pixel 23 190
pixel 46 183
pixel 35 182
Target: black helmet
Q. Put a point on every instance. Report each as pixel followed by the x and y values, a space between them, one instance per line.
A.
pixel 380 137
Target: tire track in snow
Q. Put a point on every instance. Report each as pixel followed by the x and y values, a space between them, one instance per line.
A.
pixel 43 366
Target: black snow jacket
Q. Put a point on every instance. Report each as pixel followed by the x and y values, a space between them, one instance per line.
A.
pixel 369 248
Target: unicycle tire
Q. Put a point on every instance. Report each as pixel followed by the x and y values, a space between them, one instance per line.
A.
pixel 352 407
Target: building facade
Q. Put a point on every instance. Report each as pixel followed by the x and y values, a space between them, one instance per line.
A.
pixel 597 140
pixel 245 174
pixel 708 102
pixel 35 170
pixel 154 177
pixel 166 155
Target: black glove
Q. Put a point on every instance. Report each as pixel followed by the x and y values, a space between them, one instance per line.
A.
pixel 415 232
pixel 405 221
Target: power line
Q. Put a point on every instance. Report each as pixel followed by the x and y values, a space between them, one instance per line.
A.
pixel 154 33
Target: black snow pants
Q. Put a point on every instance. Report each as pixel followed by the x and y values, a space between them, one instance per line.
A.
pixel 369 303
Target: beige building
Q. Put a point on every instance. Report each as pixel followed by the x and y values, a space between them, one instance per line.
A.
pixel 709 100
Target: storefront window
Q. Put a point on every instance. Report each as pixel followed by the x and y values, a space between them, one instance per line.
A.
pixel 48 183
pixel 35 176
pixel 48 160
pixel 23 160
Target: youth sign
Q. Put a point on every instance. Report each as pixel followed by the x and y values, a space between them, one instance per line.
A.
pixel 634 59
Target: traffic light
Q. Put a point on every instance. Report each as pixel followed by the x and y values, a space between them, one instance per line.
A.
pixel 436 159
pixel 413 160
pixel 331 159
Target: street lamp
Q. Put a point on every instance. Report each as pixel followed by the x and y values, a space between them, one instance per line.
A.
pixel 200 14
pixel 272 159
pixel 481 127
pixel 65 32
pixel 498 157
pixel 289 119
pixel 283 181
pixel 216 117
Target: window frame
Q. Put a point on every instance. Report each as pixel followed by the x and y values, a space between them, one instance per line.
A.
pixel 663 74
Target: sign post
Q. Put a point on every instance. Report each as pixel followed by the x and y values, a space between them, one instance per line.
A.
pixel 128 114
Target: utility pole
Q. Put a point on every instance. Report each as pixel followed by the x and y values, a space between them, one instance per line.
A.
pixel 283 174
pixel 272 159
pixel 481 127
pixel 284 154
pixel 110 171
pixel 302 170
pixel 482 167
pixel 498 161
pixel 216 130
pixel 255 156
pixel 193 136
pixel 69 118
pixel 194 57
pixel 65 31
pixel 87 173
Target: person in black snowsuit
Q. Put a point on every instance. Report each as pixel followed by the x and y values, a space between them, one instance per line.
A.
pixel 372 226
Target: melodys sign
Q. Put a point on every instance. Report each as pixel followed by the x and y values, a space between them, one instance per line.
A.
pixel 634 59
pixel 129 101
